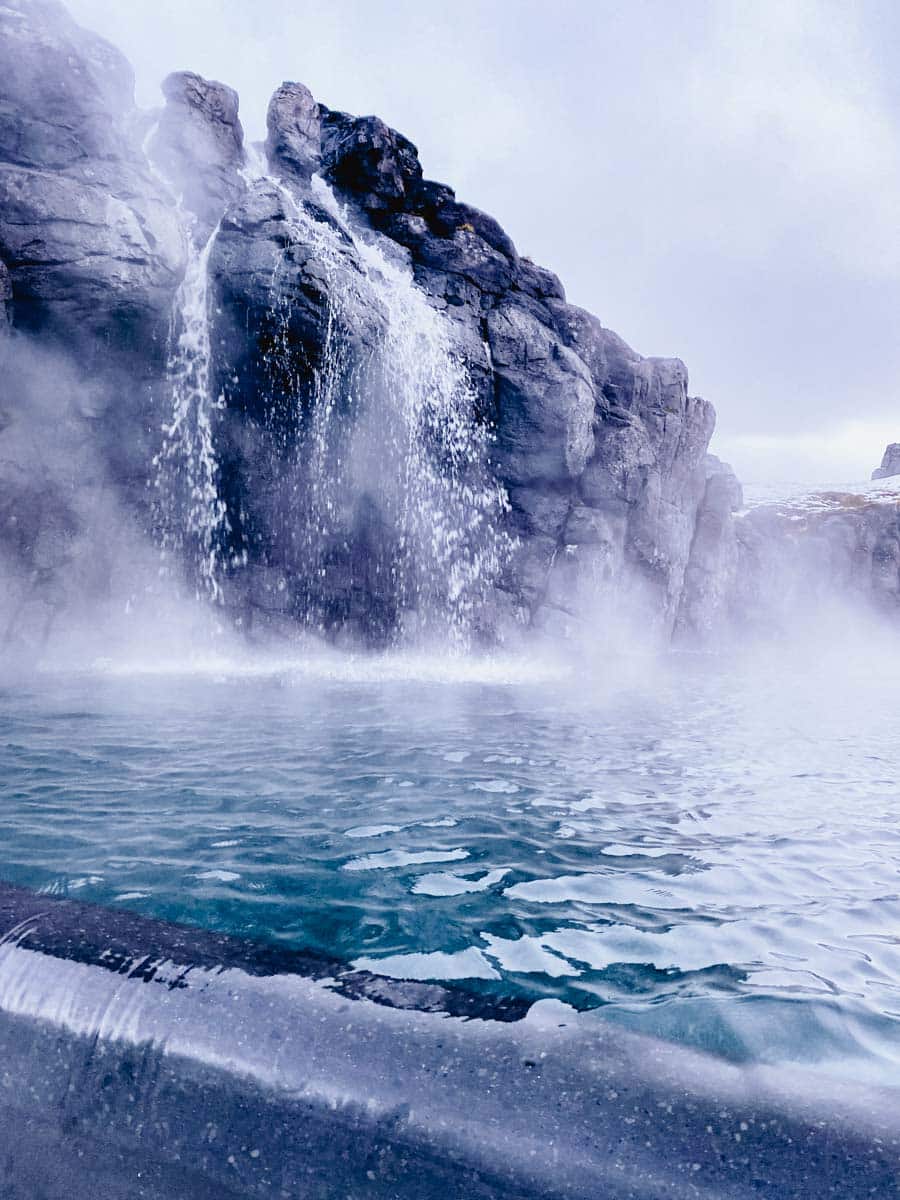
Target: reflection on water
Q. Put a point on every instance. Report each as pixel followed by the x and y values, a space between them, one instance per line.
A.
pixel 709 854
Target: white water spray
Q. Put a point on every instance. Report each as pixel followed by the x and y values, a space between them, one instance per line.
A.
pixel 389 502
pixel 190 513
pixel 400 431
pixel 446 504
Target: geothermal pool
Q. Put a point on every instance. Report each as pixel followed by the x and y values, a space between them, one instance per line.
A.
pixel 702 850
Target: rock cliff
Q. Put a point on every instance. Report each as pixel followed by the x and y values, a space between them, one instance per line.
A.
pixel 332 392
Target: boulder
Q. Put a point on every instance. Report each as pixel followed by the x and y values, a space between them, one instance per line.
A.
pixel 198 146
pixel 375 164
pixel 294 124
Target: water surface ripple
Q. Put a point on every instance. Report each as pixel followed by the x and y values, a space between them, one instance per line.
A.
pixel 707 854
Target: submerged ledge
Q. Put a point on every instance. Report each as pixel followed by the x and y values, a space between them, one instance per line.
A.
pixel 144 1059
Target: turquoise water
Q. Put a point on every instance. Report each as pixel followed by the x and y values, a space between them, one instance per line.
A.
pixel 707 853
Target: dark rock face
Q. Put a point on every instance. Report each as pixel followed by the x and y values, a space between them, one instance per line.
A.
pixel 890 463
pixel 544 398
pixel 372 162
pixel 92 248
pixel 277 320
pixel 647 474
pixel 601 452
pixel 274 293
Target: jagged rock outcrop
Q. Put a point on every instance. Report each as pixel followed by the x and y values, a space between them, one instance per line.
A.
pixel 600 452
pixel 198 146
pixel 294 125
pixel 376 165
pixel 890 463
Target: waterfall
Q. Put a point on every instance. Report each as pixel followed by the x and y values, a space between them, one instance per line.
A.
pixel 395 438
pixel 446 504
pixel 189 514
pixel 386 515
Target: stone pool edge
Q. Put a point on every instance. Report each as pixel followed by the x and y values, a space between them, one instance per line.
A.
pixel 151 1056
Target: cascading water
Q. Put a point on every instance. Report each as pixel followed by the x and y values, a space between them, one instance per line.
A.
pixel 445 504
pixel 396 498
pixel 189 513
pixel 388 520
pixel 190 518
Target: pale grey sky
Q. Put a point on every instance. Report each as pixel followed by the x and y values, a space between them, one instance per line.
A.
pixel 716 179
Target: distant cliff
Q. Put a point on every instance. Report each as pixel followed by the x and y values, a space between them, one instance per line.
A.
pixel 890 463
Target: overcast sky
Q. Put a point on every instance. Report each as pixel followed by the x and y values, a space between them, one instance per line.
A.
pixel 716 180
